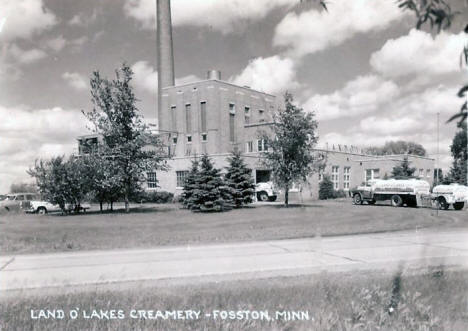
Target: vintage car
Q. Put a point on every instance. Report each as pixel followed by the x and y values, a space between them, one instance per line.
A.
pixel 453 194
pixel 17 201
pixel 398 191
pixel 44 207
pixel 265 191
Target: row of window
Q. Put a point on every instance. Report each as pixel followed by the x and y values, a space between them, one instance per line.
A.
pixel 335 177
pixel 232 119
pixel 261 146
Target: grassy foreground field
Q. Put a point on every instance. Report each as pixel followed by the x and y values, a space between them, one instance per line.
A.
pixel 157 225
pixel 435 300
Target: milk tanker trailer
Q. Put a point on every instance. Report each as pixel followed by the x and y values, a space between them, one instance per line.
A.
pixel 399 191
pixel 453 194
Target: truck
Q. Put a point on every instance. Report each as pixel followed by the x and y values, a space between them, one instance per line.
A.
pixel 265 191
pixel 409 192
pixel 453 194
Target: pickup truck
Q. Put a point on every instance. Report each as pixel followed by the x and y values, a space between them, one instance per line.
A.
pixel 398 191
pixel 44 207
pixel 453 194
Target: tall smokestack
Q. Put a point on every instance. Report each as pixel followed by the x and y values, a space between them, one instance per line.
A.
pixel 164 50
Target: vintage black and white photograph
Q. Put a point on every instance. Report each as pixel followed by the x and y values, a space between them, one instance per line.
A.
pixel 233 165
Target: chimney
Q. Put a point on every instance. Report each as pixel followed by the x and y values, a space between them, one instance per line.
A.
pixel 213 74
pixel 164 50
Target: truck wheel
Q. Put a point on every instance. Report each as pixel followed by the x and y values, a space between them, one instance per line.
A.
pixel 397 201
pixel 42 210
pixel 272 198
pixel 357 199
pixel 263 196
pixel 458 205
pixel 443 203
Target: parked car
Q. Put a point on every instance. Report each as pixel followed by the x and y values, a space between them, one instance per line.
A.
pixel 453 194
pixel 17 201
pixel 2 197
pixel 265 191
pixel 44 207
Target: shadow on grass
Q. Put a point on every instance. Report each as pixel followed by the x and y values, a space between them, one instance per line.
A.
pixel 133 210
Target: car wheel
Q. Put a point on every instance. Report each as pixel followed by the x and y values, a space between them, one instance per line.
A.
pixel 263 196
pixel 443 203
pixel 42 210
pixel 397 201
pixel 357 199
pixel 371 202
pixel 458 205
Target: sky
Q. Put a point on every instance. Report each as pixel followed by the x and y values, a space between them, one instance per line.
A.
pixel 361 67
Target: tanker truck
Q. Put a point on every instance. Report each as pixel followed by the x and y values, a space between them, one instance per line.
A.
pixel 453 194
pixel 400 192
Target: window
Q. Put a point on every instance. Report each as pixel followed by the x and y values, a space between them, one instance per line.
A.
pixel 151 180
pixel 372 174
pixel 203 116
pixel 204 136
pixel 346 177
pixel 174 140
pixel 173 118
pixel 262 145
pixel 428 173
pixel 249 147
pixel 421 172
pixel 189 139
pixel 232 126
pixel 181 178
pixel 188 118
pixel 320 175
pixel 335 177
pixel 247 115
pixel 261 113
pixel 232 108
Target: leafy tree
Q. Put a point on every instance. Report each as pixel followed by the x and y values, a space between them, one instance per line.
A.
pixel 104 178
pixel 125 137
pixel 23 188
pixel 61 181
pixel 459 169
pixel 403 170
pixel 239 179
pixel 210 194
pixel 398 147
pixel 326 190
pixel 290 154
pixel 189 194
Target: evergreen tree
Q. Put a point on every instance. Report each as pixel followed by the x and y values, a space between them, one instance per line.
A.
pixel 239 180
pixel 326 190
pixel 403 170
pixel 210 194
pixel 189 194
pixel 459 169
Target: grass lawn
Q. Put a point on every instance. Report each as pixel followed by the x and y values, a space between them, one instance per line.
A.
pixel 435 300
pixel 157 225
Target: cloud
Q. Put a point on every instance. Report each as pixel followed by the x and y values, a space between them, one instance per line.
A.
pixel 312 31
pixel 56 44
pixel 271 75
pixel 379 125
pixel 420 54
pixel 362 95
pixel 219 15
pixel 24 18
pixel 146 77
pixel 75 80
pixel 29 134
pixel 26 56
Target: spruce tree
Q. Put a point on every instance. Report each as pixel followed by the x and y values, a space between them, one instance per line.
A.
pixel 403 170
pixel 191 186
pixel 211 193
pixel 239 180
pixel 326 190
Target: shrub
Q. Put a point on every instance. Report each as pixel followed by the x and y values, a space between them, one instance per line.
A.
pixel 153 197
pixel 326 190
